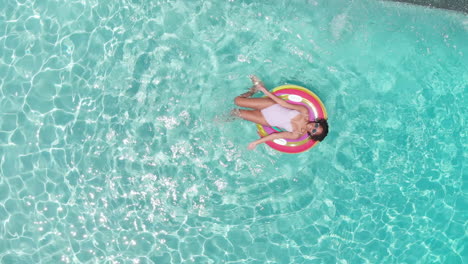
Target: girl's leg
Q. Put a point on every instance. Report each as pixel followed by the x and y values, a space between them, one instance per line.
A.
pixel 249 93
pixel 257 104
pixel 251 115
pixel 256 83
pixel 254 103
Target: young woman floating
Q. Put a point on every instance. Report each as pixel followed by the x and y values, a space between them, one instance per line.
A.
pixel 274 111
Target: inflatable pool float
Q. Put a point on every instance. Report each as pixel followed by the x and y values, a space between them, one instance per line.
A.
pixel 295 94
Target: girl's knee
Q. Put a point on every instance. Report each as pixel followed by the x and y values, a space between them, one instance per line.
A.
pixel 238 100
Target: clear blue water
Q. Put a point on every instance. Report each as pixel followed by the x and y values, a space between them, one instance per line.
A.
pixel 113 147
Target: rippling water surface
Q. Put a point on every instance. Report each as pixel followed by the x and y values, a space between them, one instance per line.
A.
pixel 115 146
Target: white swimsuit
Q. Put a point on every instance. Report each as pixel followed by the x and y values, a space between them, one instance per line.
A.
pixel 279 116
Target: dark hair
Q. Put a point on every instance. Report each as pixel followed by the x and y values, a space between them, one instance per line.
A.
pixel 324 124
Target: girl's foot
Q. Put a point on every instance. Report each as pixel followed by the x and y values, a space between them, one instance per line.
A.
pixel 256 82
pixel 235 113
pixel 251 92
pixel 227 117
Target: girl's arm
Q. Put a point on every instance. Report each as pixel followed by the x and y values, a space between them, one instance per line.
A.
pixel 302 109
pixel 287 135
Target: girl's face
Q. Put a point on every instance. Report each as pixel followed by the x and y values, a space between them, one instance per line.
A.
pixel 314 128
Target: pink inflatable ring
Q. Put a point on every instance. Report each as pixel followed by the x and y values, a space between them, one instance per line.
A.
pixel 295 95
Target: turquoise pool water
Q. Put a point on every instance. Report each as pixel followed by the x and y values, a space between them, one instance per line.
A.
pixel 115 148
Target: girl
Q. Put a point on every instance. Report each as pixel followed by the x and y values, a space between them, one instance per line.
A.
pixel 274 111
